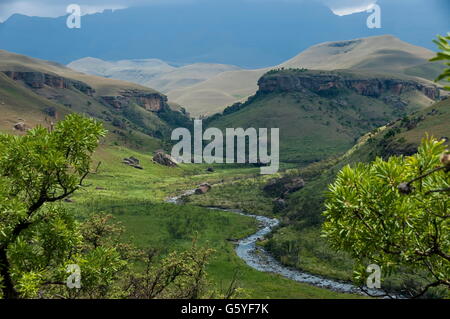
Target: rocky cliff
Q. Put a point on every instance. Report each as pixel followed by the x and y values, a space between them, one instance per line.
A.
pixel 38 80
pixel 152 102
pixel 322 82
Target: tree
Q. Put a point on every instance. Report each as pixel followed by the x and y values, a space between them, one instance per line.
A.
pixel 38 170
pixel 395 214
pixel 39 239
pixel 444 55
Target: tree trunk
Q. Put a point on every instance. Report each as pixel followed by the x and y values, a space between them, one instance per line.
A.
pixel 8 287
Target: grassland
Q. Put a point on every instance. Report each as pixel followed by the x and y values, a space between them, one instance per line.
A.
pixel 313 127
pixel 136 198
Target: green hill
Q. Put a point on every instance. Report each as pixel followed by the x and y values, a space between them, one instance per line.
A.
pixel 323 113
pixel 300 234
pixel 379 54
pixel 34 92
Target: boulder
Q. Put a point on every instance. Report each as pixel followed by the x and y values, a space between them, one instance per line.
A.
pixel 164 159
pixel 203 189
pixel 21 126
pixel 133 162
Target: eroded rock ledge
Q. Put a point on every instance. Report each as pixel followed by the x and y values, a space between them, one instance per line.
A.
pixel 320 81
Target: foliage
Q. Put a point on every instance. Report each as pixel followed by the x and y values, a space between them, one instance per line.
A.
pixel 36 170
pixel 180 275
pixel 395 213
pixel 444 55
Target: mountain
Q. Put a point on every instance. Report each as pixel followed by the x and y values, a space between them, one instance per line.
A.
pixel 136 71
pixel 380 54
pixel 323 113
pixel 151 72
pixel 249 34
pixel 40 92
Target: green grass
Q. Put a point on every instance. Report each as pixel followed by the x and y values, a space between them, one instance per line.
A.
pixel 245 194
pixel 305 249
pixel 298 243
pixel 316 126
pixel 136 199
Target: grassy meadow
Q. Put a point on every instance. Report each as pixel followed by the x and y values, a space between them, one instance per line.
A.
pixel 136 199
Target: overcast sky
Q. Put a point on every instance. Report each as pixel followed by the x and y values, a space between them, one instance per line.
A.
pixel 55 8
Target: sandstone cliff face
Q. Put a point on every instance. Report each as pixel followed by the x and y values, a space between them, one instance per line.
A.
pixel 152 102
pixel 38 80
pixel 317 82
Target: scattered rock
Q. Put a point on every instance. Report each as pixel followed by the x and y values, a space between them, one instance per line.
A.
pixel 203 189
pixel 164 159
pixel 21 126
pixel 133 162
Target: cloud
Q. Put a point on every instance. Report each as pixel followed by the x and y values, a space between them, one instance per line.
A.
pixel 346 7
pixel 56 8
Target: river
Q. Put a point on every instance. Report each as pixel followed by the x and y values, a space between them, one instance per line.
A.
pixel 259 259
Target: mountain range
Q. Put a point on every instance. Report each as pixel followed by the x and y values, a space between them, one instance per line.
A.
pixel 34 91
pixel 153 73
pixel 205 89
pixel 249 34
pixel 324 99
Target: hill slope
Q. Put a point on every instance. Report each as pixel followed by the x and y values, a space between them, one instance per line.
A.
pixel 321 113
pixel 36 91
pixel 298 244
pixel 381 54
pixel 152 73
pixel 401 137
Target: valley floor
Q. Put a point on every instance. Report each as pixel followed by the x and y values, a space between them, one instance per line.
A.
pixel 136 199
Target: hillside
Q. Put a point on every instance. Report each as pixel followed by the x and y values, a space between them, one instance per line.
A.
pixel 40 92
pixel 323 113
pixel 152 73
pixel 298 243
pixel 401 137
pixel 381 54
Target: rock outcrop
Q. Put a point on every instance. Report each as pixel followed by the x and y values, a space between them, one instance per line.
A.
pixel 203 189
pixel 321 82
pixel 38 80
pixel 133 162
pixel 153 102
pixel 162 158
pixel 21 126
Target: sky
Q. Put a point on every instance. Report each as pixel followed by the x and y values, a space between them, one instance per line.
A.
pixel 56 8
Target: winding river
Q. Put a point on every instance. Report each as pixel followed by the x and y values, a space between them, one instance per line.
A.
pixel 259 259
